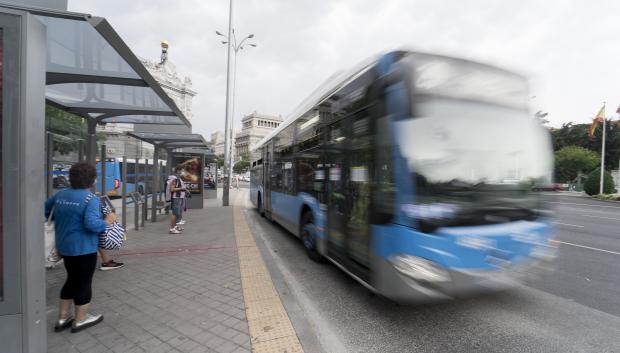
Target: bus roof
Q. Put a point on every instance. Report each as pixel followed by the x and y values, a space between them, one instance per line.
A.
pixel 341 78
pixel 329 86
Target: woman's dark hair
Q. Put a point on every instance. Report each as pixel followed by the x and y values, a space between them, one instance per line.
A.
pixel 82 175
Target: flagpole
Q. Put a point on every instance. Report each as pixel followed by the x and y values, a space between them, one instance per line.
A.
pixel 603 153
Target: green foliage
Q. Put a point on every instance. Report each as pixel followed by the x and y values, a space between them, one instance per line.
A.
pixel 572 160
pixel 592 184
pixel 607 197
pixel 67 130
pixel 577 135
pixel 241 166
pixel 220 161
pixel 245 156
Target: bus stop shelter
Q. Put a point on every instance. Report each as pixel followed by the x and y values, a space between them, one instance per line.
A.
pixel 78 63
pixel 92 73
pixel 170 142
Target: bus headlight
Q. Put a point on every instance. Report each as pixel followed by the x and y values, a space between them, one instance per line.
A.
pixel 419 269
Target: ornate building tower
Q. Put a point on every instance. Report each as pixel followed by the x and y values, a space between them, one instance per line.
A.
pixel 179 89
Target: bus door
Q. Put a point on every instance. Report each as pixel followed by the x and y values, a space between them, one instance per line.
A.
pixel 267 161
pixel 347 167
pixel 359 190
pixel 335 170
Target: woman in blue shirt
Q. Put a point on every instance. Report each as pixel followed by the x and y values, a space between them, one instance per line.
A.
pixel 78 221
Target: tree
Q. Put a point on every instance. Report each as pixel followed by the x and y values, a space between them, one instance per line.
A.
pixel 241 166
pixel 245 156
pixel 592 185
pixel 67 130
pixel 572 160
pixel 577 135
pixel 220 161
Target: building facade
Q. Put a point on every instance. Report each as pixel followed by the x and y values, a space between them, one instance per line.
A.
pixel 178 88
pixel 217 143
pixel 254 127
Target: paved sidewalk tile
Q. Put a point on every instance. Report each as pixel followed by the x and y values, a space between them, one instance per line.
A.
pixel 176 293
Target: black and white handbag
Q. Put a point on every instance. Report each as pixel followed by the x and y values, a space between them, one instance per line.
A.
pixel 114 235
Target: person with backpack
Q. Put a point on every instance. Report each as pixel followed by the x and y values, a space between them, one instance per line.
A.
pixel 175 194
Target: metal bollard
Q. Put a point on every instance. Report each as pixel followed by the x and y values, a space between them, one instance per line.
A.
pixel 144 210
pixel 136 210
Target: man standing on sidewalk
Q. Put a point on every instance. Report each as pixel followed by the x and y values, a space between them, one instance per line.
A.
pixel 176 192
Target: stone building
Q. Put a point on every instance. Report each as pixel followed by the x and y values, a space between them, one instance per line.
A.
pixel 217 143
pixel 177 87
pixel 254 127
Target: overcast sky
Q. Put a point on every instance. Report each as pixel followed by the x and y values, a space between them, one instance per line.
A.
pixel 568 49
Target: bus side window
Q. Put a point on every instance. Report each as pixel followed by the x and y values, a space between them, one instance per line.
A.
pixel 307 157
pixel 276 176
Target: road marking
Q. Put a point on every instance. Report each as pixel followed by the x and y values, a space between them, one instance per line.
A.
pixel 588 247
pixel 581 204
pixel 270 327
pixel 567 224
pixel 612 218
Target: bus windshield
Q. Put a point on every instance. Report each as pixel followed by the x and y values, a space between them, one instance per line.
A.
pixel 476 158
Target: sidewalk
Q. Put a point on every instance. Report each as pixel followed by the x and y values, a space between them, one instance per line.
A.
pixel 182 293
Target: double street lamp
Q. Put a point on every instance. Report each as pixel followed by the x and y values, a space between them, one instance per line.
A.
pixel 236 46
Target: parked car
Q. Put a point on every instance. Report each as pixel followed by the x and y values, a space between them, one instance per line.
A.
pixel 60 182
pixel 208 183
pixel 548 187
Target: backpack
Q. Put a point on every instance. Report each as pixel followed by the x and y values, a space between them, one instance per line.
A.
pixel 168 186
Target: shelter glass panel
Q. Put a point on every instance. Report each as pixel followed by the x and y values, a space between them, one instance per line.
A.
pixel 76 47
pixel 144 119
pixel 1 162
pixel 106 96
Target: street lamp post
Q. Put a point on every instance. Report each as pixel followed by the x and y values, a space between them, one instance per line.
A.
pixel 235 46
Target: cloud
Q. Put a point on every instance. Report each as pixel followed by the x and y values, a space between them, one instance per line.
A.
pixel 568 49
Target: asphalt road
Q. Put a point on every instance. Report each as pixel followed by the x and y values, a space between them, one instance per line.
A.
pixel 575 308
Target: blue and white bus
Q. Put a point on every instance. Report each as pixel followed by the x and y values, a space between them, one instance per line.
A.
pixel 137 180
pixel 413 173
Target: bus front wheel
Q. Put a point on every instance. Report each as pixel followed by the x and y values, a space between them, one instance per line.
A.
pixel 308 237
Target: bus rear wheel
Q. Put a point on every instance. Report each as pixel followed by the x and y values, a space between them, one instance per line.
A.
pixel 308 237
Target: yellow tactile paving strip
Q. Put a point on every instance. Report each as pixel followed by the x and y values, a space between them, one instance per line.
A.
pixel 271 330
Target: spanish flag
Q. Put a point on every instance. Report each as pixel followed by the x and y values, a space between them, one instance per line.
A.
pixel 599 118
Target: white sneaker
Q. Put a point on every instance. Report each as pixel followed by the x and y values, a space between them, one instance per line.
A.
pixel 174 231
pixel 91 320
pixel 179 228
pixel 181 221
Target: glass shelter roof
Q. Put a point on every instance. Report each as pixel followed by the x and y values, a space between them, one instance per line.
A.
pixel 92 73
pixel 171 140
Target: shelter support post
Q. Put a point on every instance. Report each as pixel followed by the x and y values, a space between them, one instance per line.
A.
pixel 124 192
pixel 103 169
pixel 91 142
pixel 50 164
pixel 80 150
pixel 145 205
pixel 155 187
